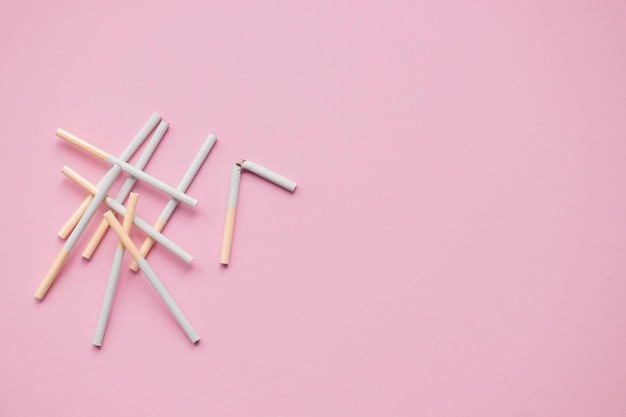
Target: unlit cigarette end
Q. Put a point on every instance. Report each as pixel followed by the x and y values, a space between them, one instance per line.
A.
pixel 52 274
pixel 227 239
pixel 92 245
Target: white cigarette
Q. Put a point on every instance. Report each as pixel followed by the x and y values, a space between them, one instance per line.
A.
pixel 269 175
pixel 231 211
pixel 152 277
pixel 96 238
pixel 139 139
pixel 131 170
pixel 173 203
pixel 148 179
pixel 109 293
pixel 120 209
pixel 103 188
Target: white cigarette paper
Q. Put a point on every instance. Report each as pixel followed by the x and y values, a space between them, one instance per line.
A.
pixel 96 238
pixel 231 211
pixel 269 175
pixel 171 205
pixel 233 191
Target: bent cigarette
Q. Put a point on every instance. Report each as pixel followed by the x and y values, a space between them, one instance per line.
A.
pixel 109 292
pixel 269 175
pixel 126 167
pixel 96 238
pixel 231 210
pixel 120 209
pixel 152 277
pixel 167 212
pixel 104 185
pixel 140 137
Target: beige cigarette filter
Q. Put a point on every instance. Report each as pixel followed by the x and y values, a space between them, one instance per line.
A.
pixel 75 218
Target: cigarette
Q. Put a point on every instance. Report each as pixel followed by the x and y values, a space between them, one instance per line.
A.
pixel 120 209
pixel 129 169
pixel 152 277
pixel 109 292
pixel 103 188
pixel 141 137
pixel 269 175
pixel 231 209
pixel 96 238
pixel 167 212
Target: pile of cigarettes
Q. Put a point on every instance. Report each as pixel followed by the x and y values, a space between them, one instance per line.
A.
pixel 73 229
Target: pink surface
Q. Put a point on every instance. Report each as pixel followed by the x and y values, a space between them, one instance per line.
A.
pixel 456 245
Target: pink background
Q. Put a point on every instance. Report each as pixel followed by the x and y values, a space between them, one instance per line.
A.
pixel 456 245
